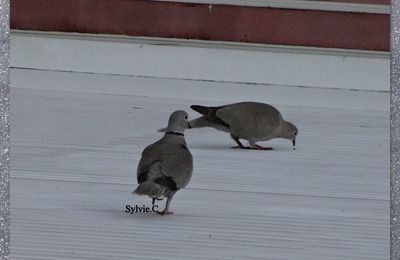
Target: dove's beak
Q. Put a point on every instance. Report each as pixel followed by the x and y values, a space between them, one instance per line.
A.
pixel 189 126
pixel 294 143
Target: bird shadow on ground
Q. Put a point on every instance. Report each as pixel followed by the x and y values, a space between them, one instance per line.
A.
pixel 121 214
pixel 148 216
pixel 210 146
pixel 233 148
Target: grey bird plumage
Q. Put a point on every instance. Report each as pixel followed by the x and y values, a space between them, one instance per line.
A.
pixel 251 121
pixel 167 165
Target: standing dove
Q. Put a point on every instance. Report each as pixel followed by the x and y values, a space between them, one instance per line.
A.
pixel 251 121
pixel 166 165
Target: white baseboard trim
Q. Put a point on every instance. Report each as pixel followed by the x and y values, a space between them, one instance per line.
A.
pixel 202 60
pixel 300 4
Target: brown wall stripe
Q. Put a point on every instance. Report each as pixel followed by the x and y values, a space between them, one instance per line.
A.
pixel 196 21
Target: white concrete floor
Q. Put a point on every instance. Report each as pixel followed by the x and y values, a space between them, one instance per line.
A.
pixel 74 158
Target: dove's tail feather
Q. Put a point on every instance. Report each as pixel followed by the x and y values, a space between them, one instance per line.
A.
pixel 209 118
pixel 149 188
pixel 206 111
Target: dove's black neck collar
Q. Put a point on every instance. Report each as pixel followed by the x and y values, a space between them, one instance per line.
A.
pixel 174 133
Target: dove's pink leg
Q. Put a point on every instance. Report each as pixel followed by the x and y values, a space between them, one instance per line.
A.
pixel 166 211
pixel 255 146
pixel 240 145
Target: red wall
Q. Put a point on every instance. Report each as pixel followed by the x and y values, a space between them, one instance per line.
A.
pixel 196 21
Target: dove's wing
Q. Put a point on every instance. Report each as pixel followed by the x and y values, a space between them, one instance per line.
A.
pixel 150 158
pixel 177 164
pixel 170 163
pixel 250 119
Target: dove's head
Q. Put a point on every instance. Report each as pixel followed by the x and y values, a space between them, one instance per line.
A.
pixel 178 122
pixel 290 132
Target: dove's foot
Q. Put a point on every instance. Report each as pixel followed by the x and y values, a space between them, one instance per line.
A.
pixel 162 213
pixel 166 209
pixel 242 147
pixel 258 147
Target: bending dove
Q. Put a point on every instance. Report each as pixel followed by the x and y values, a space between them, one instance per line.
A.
pixel 251 121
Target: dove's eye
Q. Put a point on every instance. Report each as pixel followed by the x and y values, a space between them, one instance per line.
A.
pixel 185 117
pixel 295 133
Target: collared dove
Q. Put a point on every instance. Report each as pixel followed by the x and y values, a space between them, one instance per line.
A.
pixel 166 165
pixel 252 121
